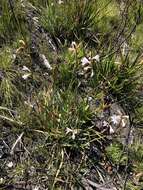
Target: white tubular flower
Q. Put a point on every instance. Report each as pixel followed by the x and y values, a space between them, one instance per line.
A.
pixel 111 130
pixel 25 76
pixel 36 188
pixel 73 45
pixel 115 119
pixel 28 103
pixel 14 56
pixel 106 124
pixel 1 180
pixel 10 164
pixel 87 68
pixel 68 130
pixel 96 58
pixel 74 132
pixel 60 2
pixel 124 120
pixel 25 69
pixel 85 61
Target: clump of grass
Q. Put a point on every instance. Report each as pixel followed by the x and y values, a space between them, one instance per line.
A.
pixel 115 154
pixel 7 88
pixel 65 134
pixel 66 73
pixel 39 3
pixel 6 58
pixel 121 79
pixel 12 19
pixel 70 20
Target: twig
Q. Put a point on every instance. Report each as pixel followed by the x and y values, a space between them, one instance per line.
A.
pixel 59 169
pixel 14 145
pixel 10 119
pixel 98 186
pixel 15 18
pixel 128 160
